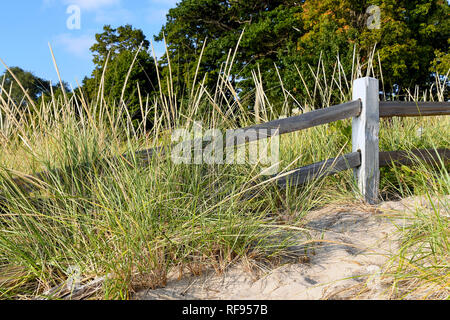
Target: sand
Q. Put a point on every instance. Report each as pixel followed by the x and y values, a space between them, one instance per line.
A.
pixel 353 245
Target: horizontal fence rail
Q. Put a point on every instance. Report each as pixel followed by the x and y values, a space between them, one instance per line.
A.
pixel 329 167
pixel 321 169
pixel 407 158
pixel 390 109
pixel 304 121
pixel 276 127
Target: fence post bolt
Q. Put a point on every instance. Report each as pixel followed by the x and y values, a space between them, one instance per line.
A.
pixel 365 137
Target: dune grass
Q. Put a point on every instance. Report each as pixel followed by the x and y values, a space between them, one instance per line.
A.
pixel 421 269
pixel 109 216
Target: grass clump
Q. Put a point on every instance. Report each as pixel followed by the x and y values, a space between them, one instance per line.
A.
pixel 421 269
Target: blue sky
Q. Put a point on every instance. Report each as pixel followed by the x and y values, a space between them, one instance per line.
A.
pixel 27 26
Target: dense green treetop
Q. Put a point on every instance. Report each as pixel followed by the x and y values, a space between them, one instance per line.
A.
pixel 269 27
pixel 122 45
pixel 412 40
pixel 279 39
pixel 115 41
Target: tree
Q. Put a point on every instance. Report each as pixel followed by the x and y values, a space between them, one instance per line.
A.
pixel 269 27
pixel 34 86
pixel 114 41
pixel 411 33
pixel 122 45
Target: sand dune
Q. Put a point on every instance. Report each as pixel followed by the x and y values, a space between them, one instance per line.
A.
pixel 352 246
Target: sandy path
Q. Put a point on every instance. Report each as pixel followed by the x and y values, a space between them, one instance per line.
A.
pixel 355 245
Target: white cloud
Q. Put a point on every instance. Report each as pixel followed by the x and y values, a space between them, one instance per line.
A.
pixel 119 15
pixel 167 3
pixel 87 5
pixel 75 45
pixel 90 5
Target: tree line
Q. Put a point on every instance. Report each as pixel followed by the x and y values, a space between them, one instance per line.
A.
pixel 279 38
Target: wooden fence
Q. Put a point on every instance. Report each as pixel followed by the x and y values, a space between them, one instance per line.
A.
pixel 365 159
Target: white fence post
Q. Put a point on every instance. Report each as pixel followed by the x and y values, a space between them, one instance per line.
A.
pixel 365 132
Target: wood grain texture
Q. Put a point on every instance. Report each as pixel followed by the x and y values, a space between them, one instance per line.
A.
pixel 332 166
pixel 321 169
pixel 303 121
pixel 365 138
pixel 390 109
pixel 429 156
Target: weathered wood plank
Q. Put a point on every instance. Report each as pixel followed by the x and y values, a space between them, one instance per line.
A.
pixel 390 109
pixel 276 127
pixel 301 122
pixel 430 156
pixel 321 169
pixel 332 166
pixel 365 132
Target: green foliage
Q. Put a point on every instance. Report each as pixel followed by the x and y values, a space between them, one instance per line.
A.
pixel 115 41
pixel 122 45
pixel 409 35
pixel 411 32
pixel 441 63
pixel 412 40
pixel 269 27
pixel 33 85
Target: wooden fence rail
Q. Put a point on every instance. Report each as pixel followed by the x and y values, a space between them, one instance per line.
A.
pixel 321 169
pixel 304 121
pixel 429 156
pixel 353 160
pixel 412 109
pixel 278 127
